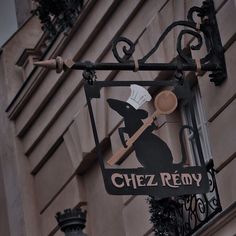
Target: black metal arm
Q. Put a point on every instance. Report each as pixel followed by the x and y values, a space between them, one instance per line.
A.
pixel 206 31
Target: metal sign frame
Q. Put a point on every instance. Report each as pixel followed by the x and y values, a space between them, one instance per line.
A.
pixel 153 181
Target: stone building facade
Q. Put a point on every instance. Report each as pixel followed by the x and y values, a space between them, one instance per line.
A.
pixel 47 158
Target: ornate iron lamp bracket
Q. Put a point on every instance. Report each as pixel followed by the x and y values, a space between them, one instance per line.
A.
pixel 206 31
pixel 214 60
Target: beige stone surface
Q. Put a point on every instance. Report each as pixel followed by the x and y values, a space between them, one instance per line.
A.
pixel 4 222
pixel 228 229
pixel 136 217
pixel 71 196
pixel 52 176
pixel 222 224
pixel 142 20
pixel 23 9
pixel 175 11
pixel 59 233
pixel 117 23
pixel 169 133
pixel 152 32
pixel 16 188
pixel 216 97
pixel 50 112
pixel 171 118
pixel 223 132
pixel 73 145
pixel 226 18
pixel 226 184
pixel 100 107
pixel 85 32
pixel 219 3
pixel 102 206
pixel 192 3
pixel 4 225
pixel 27 194
pixel 82 123
pixel 36 99
pixel 27 37
pixel 54 133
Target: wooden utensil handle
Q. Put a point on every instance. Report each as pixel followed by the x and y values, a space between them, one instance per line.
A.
pixel 118 155
pixel 122 151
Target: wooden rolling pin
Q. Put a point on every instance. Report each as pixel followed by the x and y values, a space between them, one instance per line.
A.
pixel 165 103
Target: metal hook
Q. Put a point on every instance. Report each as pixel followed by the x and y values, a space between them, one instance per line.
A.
pixel 89 75
pixel 179 75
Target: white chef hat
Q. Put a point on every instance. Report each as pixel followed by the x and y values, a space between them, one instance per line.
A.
pixel 139 95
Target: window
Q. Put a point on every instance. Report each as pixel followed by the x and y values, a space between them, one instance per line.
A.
pixel 199 208
pixel 202 130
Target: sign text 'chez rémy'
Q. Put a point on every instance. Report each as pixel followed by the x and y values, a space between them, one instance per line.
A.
pixel 159 175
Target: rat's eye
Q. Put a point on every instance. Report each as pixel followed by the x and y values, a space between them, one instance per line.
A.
pixel 127 106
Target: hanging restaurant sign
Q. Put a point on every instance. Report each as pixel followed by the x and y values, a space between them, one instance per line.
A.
pixel 159 175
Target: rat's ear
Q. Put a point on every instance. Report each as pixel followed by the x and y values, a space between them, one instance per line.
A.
pixel 142 114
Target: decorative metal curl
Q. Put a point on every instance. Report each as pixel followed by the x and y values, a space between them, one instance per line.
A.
pixel 164 34
pixel 207 29
pixel 190 23
pixel 202 210
pixel 198 46
pixel 198 209
pixel 198 10
pixel 128 52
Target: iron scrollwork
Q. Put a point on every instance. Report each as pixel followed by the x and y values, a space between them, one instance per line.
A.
pixel 185 215
pixel 207 29
pixel 199 209
pixel 128 49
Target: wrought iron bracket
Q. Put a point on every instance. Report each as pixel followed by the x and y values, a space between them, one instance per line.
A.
pixel 204 30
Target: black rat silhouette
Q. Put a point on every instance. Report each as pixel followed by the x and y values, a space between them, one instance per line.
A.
pixel 159 176
pixel 151 151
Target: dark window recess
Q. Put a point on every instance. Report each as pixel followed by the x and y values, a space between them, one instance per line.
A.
pixel 182 216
